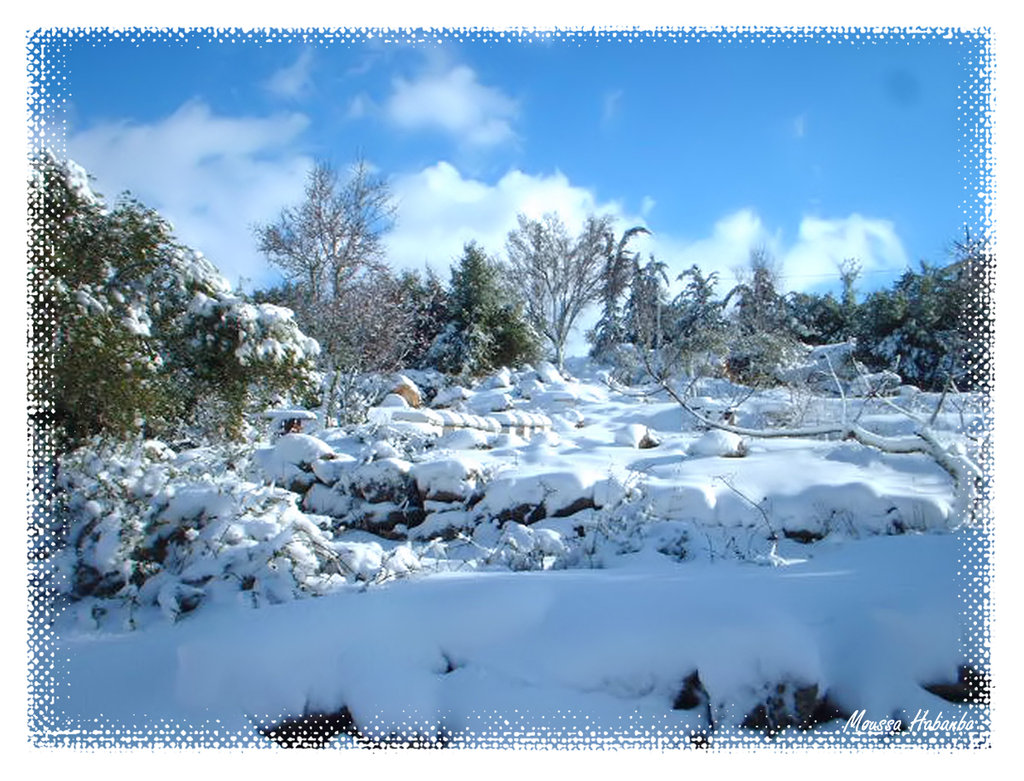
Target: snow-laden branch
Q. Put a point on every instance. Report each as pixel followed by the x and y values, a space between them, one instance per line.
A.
pixel 955 461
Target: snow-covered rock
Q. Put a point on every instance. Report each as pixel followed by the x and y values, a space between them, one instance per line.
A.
pixel 501 379
pixel 637 435
pixel 547 372
pixel 450 396
pixel 386 480
pixel 160 536
pixel 408 390
pixel 717 442
pixel 288 463
pixel 535 496
pixel 394 400
pixel 330 470
pixel 446 480
pixel 464 439
pixel 484 402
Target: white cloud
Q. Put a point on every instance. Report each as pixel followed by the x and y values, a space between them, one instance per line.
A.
pixel 800 126
pixel 822 244
pixel 456 103
pixel 360 106
pixel 213 177
pixel 724 250
pixel 610 104
pixel 293 80
pixel 440 210
pixel 810 260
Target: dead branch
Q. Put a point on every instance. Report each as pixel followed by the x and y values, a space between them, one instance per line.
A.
pixel 965 473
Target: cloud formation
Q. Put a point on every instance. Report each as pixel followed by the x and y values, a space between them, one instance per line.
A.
pixel 810 260
pixel 800 126
pixel 213 177
pixel 293 80
pixel 610 105
pixel 440 210
pixel 453 101
pixel 822 244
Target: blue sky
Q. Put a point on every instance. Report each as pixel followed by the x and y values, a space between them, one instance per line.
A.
pixel 815 149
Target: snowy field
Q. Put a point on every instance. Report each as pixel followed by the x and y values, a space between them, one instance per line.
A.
pixel 536 561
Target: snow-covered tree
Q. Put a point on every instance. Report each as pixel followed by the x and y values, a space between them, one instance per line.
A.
pixel 132 332
pixel 610 331
pixel 486 328
pixel 557 275
pixel 647 304
pixel 425 301
pixel 762 338
pixel 930 325
pixel 335 235
pixel 699 330
pixel 331 248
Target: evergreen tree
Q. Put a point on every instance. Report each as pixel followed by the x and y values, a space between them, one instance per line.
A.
pixel 821 319
pixel 486 326
pixel 648 300
pixel 699 329
pixel 763 337
pixel 610 331
pixel 134 333
pixel 917 328
pixel 425 300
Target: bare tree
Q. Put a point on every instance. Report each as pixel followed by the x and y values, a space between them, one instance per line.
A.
pixel 336 234
pixel 557 275
pixel 331 248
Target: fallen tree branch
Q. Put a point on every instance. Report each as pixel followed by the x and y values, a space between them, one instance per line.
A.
pixel 965 472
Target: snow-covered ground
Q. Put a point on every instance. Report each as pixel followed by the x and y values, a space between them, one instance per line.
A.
pixel 611 574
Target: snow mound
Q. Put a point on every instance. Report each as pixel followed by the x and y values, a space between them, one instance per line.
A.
pixel 289 461
pixel 637 435
pixel 717 442
pixel 445 480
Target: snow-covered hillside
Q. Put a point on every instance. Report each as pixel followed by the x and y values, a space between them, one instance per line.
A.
pixel 537 560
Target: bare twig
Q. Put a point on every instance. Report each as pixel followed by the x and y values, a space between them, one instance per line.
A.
pixel 938 407
pixel 767 521
pixel 839 385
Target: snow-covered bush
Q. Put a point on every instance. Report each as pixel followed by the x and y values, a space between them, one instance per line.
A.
pixel 132 332
pixel 148 529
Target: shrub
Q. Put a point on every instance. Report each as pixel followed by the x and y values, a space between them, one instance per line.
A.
pixel 131 331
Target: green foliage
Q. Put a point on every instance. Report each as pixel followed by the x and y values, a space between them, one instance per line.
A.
pixel 486 328
pixel 819 319
pixel 917 327
pixel 646 305
pixel 425 300
pixel 131 332
pixel 699 330
pixel 932 326
pixel 762 336
pixel 619 269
